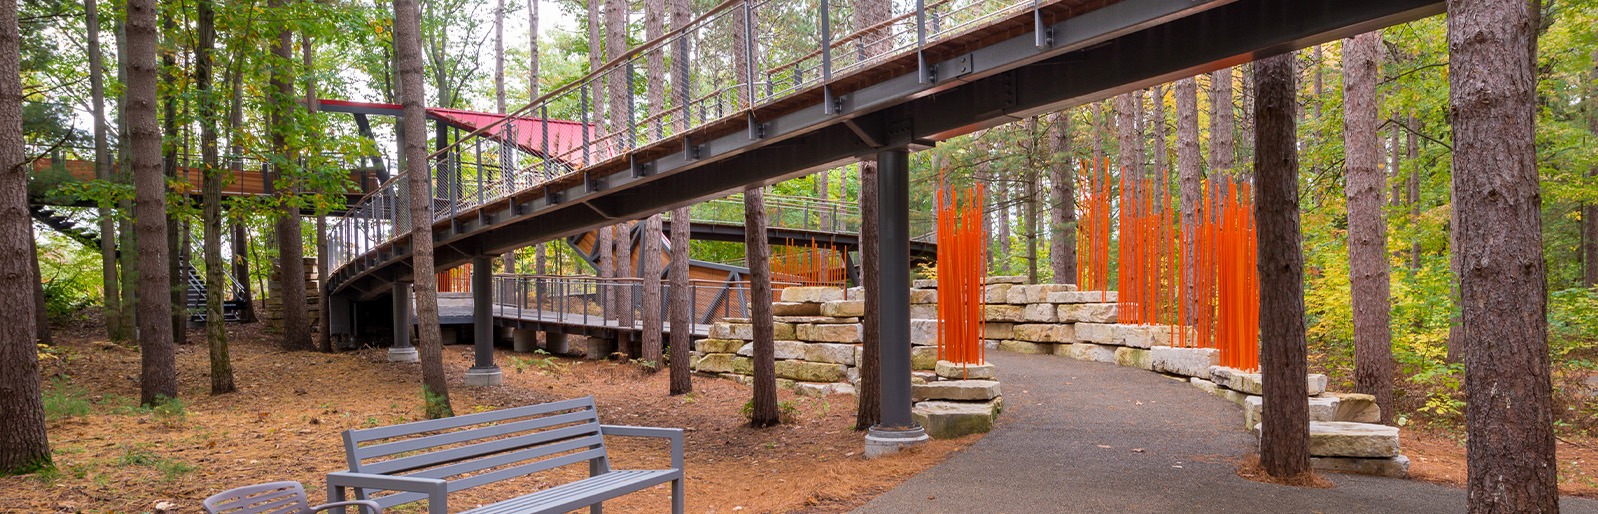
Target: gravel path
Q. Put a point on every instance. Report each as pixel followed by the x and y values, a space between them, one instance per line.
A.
pixel 1092 437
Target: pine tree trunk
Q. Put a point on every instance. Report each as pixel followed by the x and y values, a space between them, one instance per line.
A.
pixel 1190 179
pixel 429 347
pixel 1284 439
pixel 1223 128
pixel 240 240
pixel 126 231
pixel 1161 170
pixel 869 408
pixel 1367 225
pixel 1503 288
pixel 24 447
pixel 102 170
pixel 324 334
pixel 1062 236
pixel 290 241
pixel 159 377
pixel 211 192
pixel 41 311
pixel 682 302
pixel 177 291
pixel 765 411
pixel 623 252
pixel 1130 142
pixel 1412 145
pixel 1589 212
pixel 649 264
pixel 1030 205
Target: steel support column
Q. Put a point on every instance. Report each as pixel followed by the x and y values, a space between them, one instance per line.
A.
pixel 402 350
pixel 896 429
pixel 483 371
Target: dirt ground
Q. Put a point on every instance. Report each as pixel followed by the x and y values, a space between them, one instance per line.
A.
pixel 1440 457
pixel 285 421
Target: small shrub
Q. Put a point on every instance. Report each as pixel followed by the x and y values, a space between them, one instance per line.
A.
pixel 170 412
pixel 137 455
pixel 172 469
pixel 64 400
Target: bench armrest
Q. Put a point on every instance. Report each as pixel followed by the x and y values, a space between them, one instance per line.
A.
pixel 674 434
pixel 435 489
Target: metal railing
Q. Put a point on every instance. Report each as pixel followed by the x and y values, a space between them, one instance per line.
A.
pixel 739 55
pixel 589 300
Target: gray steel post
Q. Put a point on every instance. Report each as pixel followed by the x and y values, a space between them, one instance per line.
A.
pixel 402 350
pixel 896 429
pixel 483 372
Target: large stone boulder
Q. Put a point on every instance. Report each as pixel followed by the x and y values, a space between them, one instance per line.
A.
pixel 812 294
pixel 844 308
pixel 1133 358
pixel 957 390
pixel 724 330
pixel 962 371
pixel 1026 347
pixel 719 345
pixel 795 309
pixel 714 363
pixel 1046 333
pixel 1356 407
pixel 923 311
pixel 1017 295
pixel 947 420
pixel 834 353
pixel 923 296
pixel 998 330
pixel 1040 293
pixel 1038 313
pixel 783 331
pixel 995 293
pixel 1347 439
pixel 924 332
pixel 1082 297
pixel 1086 352
pixel 1252 383
pixel 1003 313
pixel 783 349
pixel 1320 409
pixel 839 333
pixel 1188 362
pixel 804 371
pixel 923 357
pixel 1394 467
pixel 1004 279
pixel 1088 312
pixel 743 366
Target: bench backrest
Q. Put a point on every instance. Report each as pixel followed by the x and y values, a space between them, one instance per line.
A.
pixel 483 448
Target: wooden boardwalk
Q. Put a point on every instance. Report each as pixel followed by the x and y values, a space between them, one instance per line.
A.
pixel 460 313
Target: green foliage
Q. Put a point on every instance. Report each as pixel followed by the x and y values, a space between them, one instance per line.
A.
pixel 65 400
pixel 436 405
pixel 170 412
pixel 787 412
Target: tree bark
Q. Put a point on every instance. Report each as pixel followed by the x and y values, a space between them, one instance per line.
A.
pixel 623 252
pixel 407 43
pixel 24 447
pixel 1503 287
pixel 102 170
pixel 1030 205
pixel 159 377
pixel 1062 236
pixel 682 301
pixel 211 191
pixel 290 240
pixel 177 291
pixel 1412 145
pixel 1589 212
pixel 1367 225
pixel 649 264
pixel 1284 439
pixel 765 411
pixel 1223 142
pixel 1190 179
pixel 324 334
pixel 1161 171
pixel 240 239
pixel 126 231
pixel 869 408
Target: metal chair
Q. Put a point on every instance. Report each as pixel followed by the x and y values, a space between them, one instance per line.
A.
pixel 276 498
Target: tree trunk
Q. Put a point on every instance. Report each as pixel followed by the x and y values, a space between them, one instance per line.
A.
pixel 407 42
pixel 1589 212
pixel 1503 288
pixel 24 447
pixel 41 309
pixel 211 191
pixel 1284 439
pixel 1412 144
pixel 290 241
pixel 1161 171
pixel 1367 225
pixel 240 239
pixel 324 334
pixel 623 253
pixel 682 302
pixel 649 267
pixel 102 171
pixel 178 290
pixel 1062 236
pixel 1223 141
pixel 1030 205
pixel 159 377
pixel 765 411
pixel 126 231
pixel 1190 179
pixel 1395 160
pixel 869 408
pixel 532 95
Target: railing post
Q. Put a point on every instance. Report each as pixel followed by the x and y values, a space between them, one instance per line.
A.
pixel 632 110
pixel 749 51
pixel 543 126
pixel 926 74
pixel 583 102
pixel 683 87
pixel 826 57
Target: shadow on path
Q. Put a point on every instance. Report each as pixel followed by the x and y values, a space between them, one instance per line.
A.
pixel 1093 437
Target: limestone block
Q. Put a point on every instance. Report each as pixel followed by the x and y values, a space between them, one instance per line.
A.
pixel 924 332
pixel 995 293
pixel 945 420
pixel 859 356
pixel 998 331
pixel 1356 407
pixel 783 383
pixel 783 331
pixel 1081 297
pixel 991 344
pixel 844 308
pixel 922 377
pixel 1323 408
pixel 1320 409
pixel 1140 336
pixel 1004 279
pixel 1038 313
pixel 1133 358
pixel 923 296
pixel 743 366
pixel 924 311
pixel 1026 347
pixel 738 379
pixel 957 371
pixel 1189 362
pixel 719 345
pixel 806 319
pixel 854 293
pixel 923 357
pixel 1002 313
pixel 732 331
pixel 1017 295
pixel 1100 333
pixel 1251 383
pixel 1317 384
pixel 1086 352
pixel 813 389
pixel 1040 293
pixel 1395 467
pixel 854 372
pixel 1089 312
pixel 1347 439
pixel 736 321
pixel 714 363
pixel 1231 396
pixel 958 390
pixel 811 294
pixel 811 371
pixel 833 353
pixel 849 333
pixel 1203 385
pixel 924 283
pixel 795 309
pixel 1046 333
pixel 844 389
pixel 783 349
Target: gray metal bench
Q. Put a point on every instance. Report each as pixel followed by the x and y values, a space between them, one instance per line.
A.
pixel 427 460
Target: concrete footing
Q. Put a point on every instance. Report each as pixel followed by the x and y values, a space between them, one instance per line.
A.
pixel 881 441
pixel 555 343
pixel 523 340
pixel 403 354
pixel 484 377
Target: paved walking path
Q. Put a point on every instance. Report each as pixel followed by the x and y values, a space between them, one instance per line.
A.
pixel 1091 437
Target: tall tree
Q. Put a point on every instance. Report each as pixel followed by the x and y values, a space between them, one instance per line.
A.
pixel 290 240
pixel 177 292
pixel 539 258
pixel 211 191
pixel 24 447
pixel 1589 211
pixel 1223 126
pixel 158 380
pixel 407 46
pixel 1190 180
pixel 1284 437
pixel 649 296
pixel 682 299
pixel 764 413
pixel 1503 286
pixel 1030 205
pixel 240 240
pixel 1367 225
pixel 1062 188
pixel 869 407
pixel 324 311
pixel 102 170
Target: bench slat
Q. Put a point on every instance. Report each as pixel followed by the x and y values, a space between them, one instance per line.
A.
pixel 416 427
pixel 581 493
pixel 530 447
pixel 496 476
pixel 505 459
pixel 432 441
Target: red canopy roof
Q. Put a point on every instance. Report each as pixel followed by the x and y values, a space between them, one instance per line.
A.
pixel 565 138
